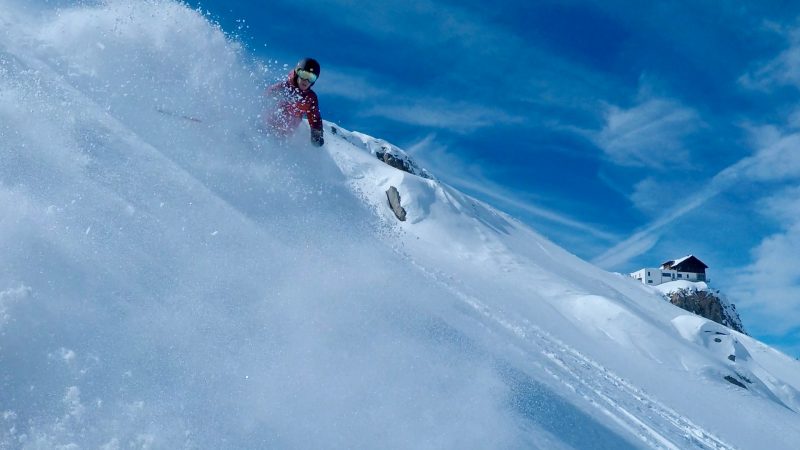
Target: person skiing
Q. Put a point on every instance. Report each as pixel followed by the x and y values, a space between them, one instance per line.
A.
pixel 291 99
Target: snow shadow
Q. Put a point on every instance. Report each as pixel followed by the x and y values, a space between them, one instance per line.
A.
pixel 541 409
pixel 544 409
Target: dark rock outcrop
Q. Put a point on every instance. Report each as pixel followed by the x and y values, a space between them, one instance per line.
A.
pixel 734 381
pixel 398 159
pixel 709 305
pixel 394 202
pixel 394 161
pixel 384 151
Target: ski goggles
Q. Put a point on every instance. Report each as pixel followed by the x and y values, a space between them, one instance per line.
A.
pixel 306 75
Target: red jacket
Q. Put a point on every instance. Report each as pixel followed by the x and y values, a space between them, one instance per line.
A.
pixel 288 104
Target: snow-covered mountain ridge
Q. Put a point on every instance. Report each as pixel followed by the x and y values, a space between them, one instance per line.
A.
pixel 485 218
pixel 177 283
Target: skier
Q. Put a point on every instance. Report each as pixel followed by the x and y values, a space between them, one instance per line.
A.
pixel 291 99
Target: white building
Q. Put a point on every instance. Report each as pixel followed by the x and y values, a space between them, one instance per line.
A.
pixel 688 268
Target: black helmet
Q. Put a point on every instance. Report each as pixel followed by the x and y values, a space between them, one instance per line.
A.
pixel 309 65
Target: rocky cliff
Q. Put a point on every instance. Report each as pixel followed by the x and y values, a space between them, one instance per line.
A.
pixel 699 299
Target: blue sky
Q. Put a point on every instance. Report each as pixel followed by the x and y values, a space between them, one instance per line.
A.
pixel 628 132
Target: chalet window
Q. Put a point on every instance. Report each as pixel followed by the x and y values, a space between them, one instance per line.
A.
pixel 650 281
pixel 680 275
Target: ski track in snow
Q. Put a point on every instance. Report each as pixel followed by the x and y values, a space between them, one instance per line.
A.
pixel 649 420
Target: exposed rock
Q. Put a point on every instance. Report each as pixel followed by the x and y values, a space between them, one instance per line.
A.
pixel 384 151
pixel 396 162
pixel 394 203
pixel 397 158
pixel 734 381
pixel 708 305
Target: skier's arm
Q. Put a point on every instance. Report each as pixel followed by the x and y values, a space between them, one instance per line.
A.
pixel 313 115
pixel 315 122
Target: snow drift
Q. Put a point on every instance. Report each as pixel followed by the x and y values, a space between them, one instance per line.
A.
pixel 171 279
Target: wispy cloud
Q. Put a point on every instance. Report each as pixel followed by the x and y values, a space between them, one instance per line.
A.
pixel 773 162
pixel 654 131
pixel 460 117
pixel 767 290
pixel 769 287
pixel 647 237
pixel 778 158
pixel 648 193
pixel 650 134
pixel 419 23
pixel 784 70
pixel 411 107
pixel 352 85
pixel 464 55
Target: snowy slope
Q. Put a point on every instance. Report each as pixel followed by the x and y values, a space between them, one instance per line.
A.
pixel 540 293
pixel 171 279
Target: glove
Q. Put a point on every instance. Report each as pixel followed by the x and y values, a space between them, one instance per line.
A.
pixel 316 138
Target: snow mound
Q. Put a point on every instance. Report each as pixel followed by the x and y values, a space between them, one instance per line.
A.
pixel 674 286
pixel 718 339
pixel 735 364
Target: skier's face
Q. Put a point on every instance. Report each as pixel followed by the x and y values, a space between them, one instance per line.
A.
pixel 303 84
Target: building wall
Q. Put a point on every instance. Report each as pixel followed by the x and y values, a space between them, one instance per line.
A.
pixel 648 276
pixel 656 276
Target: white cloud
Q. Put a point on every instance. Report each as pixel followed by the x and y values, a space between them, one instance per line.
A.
pixel 778 158
pixel 420 23
pixel 769 287
pixel 648 195
pixel 650 134
pixel 645 238
pixel 476 50
pixel 785 207
pixel 459 117
pixel 783 70
pixel 752 168
pixel 628 249
pixel 353 85
pixel 411 107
